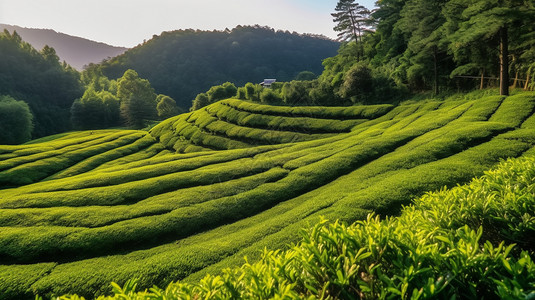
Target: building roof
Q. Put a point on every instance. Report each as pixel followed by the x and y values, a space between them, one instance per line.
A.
pixel 268 81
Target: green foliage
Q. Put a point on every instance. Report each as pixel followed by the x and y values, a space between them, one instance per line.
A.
pixel 95 110
pixel 16 121
pixel 508 112
pixel 240 55
pixel 166 107
pixel 214 94
pixel 357 84
pixel 352 21
pixel 418 43
pixel 442 246
pixel 305 75
pixel 220 92
pixel 37 78
pixel 200 101
pixel 80 210
pixel 231 124
pixel 252 91
pixel 138 101
pixel 241 93
pixel 296 92
pixel 269 96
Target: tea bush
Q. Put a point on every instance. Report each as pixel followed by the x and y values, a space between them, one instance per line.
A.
pixel 134 207
pixel 434 249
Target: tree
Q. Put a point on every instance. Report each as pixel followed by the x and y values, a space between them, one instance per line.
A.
pixel 241 93
pixel 166 107
pixel 421 21
pixel 305 75
pixel 352 21
pixel 88 112
pixel 49 54
pixel 37 78
pixel 246 53
pixel 296 92
pixel 200 101
pixel 475 21
pixel 220 92
pixel 95 110
pixel 138 100
pixel 112 105
pixel 251 92
pixel 323 94
pixel 358 84
pixel 15 121
pixel 387 42
pixel 269 96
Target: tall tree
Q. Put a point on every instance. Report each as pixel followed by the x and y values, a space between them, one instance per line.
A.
pixel 387 42
pixel 352 21
pixel 138 100
pixel 421 22
pixel 483 20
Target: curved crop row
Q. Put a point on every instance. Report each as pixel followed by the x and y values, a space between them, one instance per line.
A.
pixel 442 246
pixel 234 124
pixel 319 112
pixel 26 169
pixel 164 216
pixel 284 123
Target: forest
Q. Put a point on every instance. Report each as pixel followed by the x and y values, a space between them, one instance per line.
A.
pixel 183 63
pixel 45 85
pixel 402 48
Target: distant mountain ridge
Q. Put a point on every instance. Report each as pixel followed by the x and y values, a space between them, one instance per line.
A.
pixel 76 51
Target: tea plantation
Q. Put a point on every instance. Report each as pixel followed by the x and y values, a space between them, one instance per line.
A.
pixel 202 190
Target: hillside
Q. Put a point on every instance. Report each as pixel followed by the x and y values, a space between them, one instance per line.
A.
pixel 76 51
pixel 82 209
pixel 454 243
pixel 183 63
pixel 41 80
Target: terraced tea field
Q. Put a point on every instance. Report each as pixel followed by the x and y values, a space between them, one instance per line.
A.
pixel 204 189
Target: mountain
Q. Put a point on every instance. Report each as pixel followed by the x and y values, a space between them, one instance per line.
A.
pixel 81 209
pixel 76 51
pixel 183 63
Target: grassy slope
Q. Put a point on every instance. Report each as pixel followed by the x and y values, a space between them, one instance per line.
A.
pixel 84 209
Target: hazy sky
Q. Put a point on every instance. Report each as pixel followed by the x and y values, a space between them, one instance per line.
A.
pixel 128 22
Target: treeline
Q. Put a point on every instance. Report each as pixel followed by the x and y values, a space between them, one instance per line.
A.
pixel 407 47
pixel 183 63
pixel 360 85
pixel 129 100
pixel 40 80
pixel 40 96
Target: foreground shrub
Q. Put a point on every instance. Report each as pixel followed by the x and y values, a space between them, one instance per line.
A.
pixel 435 249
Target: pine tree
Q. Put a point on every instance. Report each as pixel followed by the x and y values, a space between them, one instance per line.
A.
pixel 421 21
pixel 353 20
pixel 481 22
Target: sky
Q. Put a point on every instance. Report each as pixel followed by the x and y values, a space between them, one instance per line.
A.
pixel 128 23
